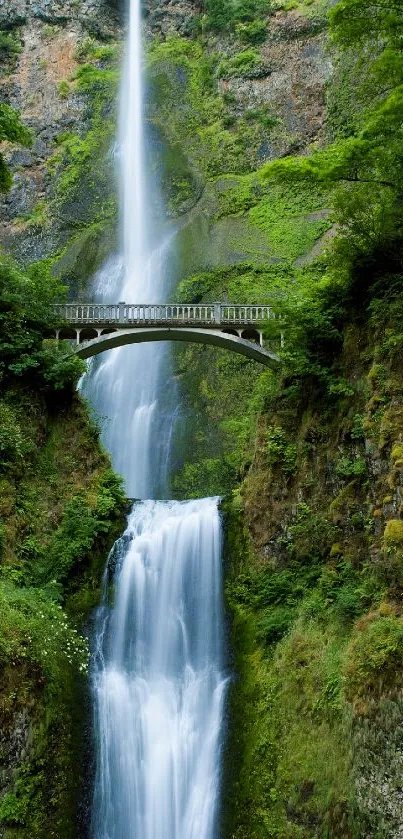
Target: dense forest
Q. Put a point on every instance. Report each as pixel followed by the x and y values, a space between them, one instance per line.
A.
pixel 277 135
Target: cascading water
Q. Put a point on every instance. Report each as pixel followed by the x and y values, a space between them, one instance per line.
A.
pixel 126 388
pixel 158 680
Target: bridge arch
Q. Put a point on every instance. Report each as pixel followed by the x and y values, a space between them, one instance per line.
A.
pixel 87 334
pixel 212 337
pixel 67 333
pixel 251 334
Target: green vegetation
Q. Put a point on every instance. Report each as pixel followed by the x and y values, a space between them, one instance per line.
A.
pixel 241 64
pixel 193 116
pixel 10 48
pixel 12 130
pixel 63 89
pixel 365 160
pixel 61 507
pixel 314 528
pixel 25 320
pixel 84 199
pixel 223 14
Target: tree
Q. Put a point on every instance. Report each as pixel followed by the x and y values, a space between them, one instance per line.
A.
pixel 26 318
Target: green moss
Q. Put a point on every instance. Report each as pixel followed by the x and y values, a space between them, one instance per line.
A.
pixel 397 452
pixel 189 112
pixel 292 218
pixel 39 217
pixel 393 533
pixel 240 64
pixel 63 89
pixel 85 252
pixel 374 656
pixel 82 169
pixel 284 707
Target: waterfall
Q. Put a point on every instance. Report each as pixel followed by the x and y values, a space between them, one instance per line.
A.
pixel 157 674
pixel 158 677
pixel 127 388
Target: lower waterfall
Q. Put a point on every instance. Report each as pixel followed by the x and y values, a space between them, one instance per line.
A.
pixel 158 677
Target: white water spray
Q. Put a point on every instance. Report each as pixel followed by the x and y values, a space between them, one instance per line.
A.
pixel 159 681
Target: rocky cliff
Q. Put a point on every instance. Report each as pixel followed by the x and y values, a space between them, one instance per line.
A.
pixel 246 104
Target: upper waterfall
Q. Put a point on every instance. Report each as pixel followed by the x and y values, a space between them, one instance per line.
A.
pixel 128 387
pixel 132 164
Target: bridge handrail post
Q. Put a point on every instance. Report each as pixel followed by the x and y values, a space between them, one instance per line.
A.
pixel 121 310
pixel 217 312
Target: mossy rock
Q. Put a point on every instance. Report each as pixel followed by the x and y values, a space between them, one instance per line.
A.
pixel 397 452
pixel 84 254
pixel 393 533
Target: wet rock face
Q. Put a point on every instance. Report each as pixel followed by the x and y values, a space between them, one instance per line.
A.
pixel 14 744
pixel 289 81
pixel 167 16
pixel 291 76
pixel 12 13
pixel 294 83
pixel 50 31
pixel 17 12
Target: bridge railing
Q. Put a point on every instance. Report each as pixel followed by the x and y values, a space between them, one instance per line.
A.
pixel 131 313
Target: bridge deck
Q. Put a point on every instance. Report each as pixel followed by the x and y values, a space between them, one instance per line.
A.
pixel 175 314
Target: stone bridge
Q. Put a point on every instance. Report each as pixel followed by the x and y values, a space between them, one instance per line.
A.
pixel 97 327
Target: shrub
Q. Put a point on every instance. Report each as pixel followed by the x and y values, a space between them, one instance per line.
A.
pixel 348 467
pixel 9 46
pixel 393 533
pixel 279 451
pixel 63 89
pixel 239 64
pixel 374 657
pixel 251 33
pixel 26 317
pixel 14 446
pixel 14 131
pixel 274 623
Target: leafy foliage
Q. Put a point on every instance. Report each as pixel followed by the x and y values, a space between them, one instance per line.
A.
pixel 364 164
pixel 13 131
pixel 221 14
pixel 26 318
pixel 10 47
pixel 60 509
